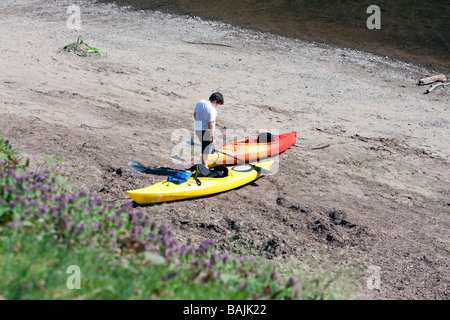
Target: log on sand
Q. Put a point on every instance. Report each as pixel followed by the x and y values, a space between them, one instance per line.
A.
pixel 432 79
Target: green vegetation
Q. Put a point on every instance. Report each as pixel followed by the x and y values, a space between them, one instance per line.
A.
pixel 121 253
pixel 82 49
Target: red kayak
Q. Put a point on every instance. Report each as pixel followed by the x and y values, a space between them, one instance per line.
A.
pixel 252 149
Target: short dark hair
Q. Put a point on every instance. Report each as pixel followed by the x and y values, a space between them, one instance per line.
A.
pixel 216 96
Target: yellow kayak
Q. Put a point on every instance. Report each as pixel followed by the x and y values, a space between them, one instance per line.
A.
pixel 165 191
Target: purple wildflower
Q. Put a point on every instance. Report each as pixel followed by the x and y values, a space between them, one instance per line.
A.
pixel 80 228
pixel 292 281
pixel 206 245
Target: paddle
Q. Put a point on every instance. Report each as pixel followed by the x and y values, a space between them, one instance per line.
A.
pixel 162 171
pixel 258 169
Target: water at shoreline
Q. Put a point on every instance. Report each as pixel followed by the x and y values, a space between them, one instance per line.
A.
pixel 412 31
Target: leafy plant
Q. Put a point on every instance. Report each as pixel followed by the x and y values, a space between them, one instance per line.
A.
pixel 82 48
pixel 10 158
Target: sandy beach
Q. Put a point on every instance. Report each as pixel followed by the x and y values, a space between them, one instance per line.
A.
pixel 376 193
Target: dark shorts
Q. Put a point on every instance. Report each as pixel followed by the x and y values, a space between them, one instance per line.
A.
pixel 205 138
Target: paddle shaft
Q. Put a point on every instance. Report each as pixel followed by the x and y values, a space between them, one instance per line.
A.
pixel 258 169
pixel 136 166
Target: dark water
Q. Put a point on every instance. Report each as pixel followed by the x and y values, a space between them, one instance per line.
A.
pixel 413 31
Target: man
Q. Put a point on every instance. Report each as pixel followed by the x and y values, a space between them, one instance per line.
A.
pixel 205 114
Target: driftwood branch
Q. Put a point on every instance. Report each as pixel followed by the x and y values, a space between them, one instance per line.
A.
pixel 434 86
pixel 321 147
pixel 380 148
pixel 313 148
pixel 434 82
pixel 433 79
pixel 208 43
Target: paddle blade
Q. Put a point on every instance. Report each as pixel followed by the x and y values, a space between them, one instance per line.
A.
pixel 162 171
pixel 137 166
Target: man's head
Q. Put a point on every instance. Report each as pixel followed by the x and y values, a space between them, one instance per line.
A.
pixel 217 97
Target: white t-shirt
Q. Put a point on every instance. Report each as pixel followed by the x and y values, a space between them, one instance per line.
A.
pixel 204 113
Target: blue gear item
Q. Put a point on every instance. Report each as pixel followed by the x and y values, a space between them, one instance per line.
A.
pixel 180 177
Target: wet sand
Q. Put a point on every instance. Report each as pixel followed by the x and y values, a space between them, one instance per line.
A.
pixel 415 32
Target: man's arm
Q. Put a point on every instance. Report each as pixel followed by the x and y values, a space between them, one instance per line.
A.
pixel 211 130
pixel 195 115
